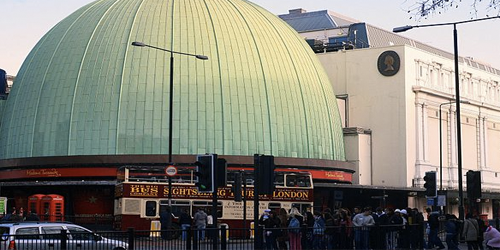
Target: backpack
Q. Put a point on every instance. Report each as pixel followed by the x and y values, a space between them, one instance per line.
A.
pixel 294 226
pixel 318 229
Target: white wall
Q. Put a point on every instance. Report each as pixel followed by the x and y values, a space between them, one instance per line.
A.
pixel 402 112
pixel 379 103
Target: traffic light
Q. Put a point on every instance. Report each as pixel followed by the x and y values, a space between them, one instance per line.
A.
pixel 473 185
pixel 264 166
pixel 205 173
pixel 221 173
pixel 430 184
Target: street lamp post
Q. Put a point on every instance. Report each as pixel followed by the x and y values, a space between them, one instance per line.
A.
pixel 457 99
pixel 171 103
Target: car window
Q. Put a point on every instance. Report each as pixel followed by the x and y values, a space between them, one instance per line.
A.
pixel 78 233
pixel 28 233
pixel 53 232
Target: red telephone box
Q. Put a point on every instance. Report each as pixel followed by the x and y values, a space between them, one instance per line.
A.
pixel 52 207
pixel 35 203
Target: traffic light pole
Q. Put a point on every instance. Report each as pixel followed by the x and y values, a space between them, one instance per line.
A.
pixel 256 191
pixel 215 237
pixel 244 179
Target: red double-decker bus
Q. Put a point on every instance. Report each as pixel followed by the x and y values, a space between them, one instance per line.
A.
pixel 142 191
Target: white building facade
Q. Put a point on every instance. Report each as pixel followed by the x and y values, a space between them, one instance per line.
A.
pixel 399 100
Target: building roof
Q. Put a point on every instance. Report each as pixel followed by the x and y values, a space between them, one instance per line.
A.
pixel 84 90
pixel 303 21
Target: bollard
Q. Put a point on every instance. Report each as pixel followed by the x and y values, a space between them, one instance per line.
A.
pixel 223 240
pixel 64 240
pixel 188 238
pixel 130 232
pixel 195 239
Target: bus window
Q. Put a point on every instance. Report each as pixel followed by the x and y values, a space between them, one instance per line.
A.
pixel 279 180
pixel 302 207
pixel 177 206
pixel 150 208
pixel 273 206
pixel 298 181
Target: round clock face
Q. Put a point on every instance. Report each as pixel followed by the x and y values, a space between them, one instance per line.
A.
pixel 388 63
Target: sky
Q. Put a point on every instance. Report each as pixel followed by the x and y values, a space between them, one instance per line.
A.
pixel 24 22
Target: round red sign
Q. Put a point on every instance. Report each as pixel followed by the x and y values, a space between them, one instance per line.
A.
pixel 171 170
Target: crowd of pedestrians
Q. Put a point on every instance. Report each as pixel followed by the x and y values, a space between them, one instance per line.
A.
pixel 364 228
pixel 20 215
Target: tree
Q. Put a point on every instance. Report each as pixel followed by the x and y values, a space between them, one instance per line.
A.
pixel 423 8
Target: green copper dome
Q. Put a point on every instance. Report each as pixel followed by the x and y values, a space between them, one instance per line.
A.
pixel 84 90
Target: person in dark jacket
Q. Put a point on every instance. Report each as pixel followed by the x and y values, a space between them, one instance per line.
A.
pixel 451 229
pixel 185 220
pixel 166 222
pixel 417 230
pixel 377 235
pixel 271 229
pixel 309 222
pixel 482 229
pixel 433 221
pixel 329 228
pixel 319 227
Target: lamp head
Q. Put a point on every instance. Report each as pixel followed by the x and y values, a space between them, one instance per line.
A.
pixel 402 29
pixel 201 57
pixel 138 44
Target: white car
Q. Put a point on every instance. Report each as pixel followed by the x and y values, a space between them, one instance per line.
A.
pixel 47 235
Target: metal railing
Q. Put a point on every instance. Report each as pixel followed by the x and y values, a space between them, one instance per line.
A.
pixel 376 237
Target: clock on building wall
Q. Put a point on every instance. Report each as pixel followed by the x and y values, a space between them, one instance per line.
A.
pixel 388 63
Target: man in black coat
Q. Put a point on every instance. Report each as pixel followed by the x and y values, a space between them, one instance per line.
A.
pixel 166 222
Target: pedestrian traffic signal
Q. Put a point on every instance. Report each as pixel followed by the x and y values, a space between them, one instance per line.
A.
pixel 205 173
pixel 264 166
pixel 473 185
pixel 430 184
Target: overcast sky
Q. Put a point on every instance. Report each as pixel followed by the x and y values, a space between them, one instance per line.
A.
pixel 24 22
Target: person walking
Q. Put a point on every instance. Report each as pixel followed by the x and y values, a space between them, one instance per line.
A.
pixel 377 235
pixel 185 220
pixel 451 229
pixel 283 237
pixel 200 222
pixel 318 231
pixel 307 241
pixel 433 221
pixel 361 223
pixel 470 232
pixel 329 228
pixel 482 229
pixel 166 222
pixel 396 222
pixel 271 226
pixel 294 223
pixel 345 230
pixel 492 238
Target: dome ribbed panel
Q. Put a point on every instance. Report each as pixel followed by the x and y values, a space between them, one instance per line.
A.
pixel 84 90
